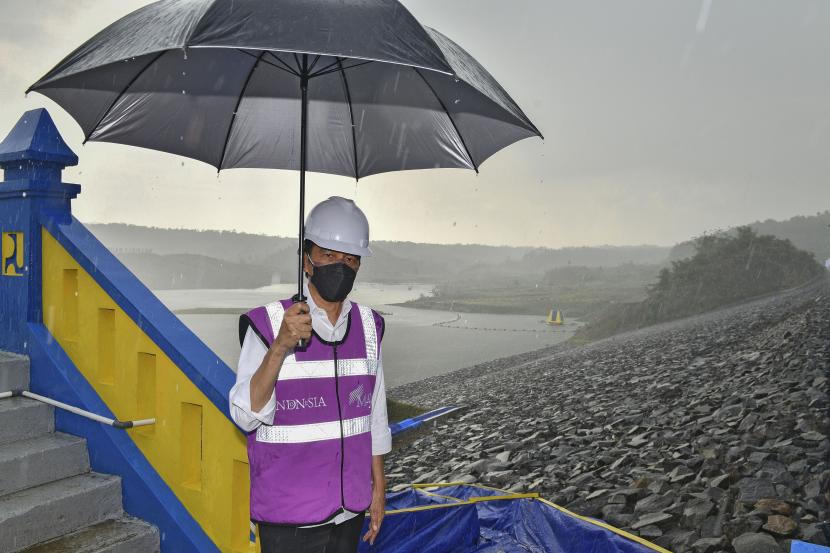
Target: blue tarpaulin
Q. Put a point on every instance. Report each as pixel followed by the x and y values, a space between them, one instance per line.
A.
pixel 413 423
pixel 467 518
pixel 804 547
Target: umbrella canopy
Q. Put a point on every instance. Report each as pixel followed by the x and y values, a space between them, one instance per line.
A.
pixel 347 87
pixel 220 81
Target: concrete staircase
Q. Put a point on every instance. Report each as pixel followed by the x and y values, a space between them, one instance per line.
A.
pixel 50 501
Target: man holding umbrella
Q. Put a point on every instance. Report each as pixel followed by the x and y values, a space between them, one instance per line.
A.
pixel 343 87
pixel 316 415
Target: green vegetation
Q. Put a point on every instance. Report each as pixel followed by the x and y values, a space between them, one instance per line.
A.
pixel 806 232
pixel 726 268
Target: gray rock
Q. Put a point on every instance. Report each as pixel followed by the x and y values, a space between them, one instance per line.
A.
pixel 814 534
pixel 696 512
pixel 651 531
pixel 708 545
pixel 651 518
pixel 755 489
pixel 653 503
pixel 721 481
pixel 755 543
pixel 503 456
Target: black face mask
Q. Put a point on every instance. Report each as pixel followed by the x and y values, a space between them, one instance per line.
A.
pixel 334 281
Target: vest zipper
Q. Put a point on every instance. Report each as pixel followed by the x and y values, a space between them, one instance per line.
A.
pixel 340 416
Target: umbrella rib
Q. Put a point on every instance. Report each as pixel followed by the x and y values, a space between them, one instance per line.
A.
pixel 121 94
pixel 329 66
pixel 454 126
pixel 235 109
pixel 341 68
pixel 351 116
pixel 285 65
pixel 311 67
pixel 266 62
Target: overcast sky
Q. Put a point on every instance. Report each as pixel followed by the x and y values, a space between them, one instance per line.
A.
pixel 662 120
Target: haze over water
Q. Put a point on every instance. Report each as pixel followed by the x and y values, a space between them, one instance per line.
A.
pixel 417 343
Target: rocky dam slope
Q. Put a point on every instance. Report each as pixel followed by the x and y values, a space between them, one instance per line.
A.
pixel 706 434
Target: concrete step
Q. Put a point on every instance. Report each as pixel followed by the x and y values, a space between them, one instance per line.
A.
pixel 122 535
pixel 23 418
pixel 41 513
pixel 36 461
pixel 14 371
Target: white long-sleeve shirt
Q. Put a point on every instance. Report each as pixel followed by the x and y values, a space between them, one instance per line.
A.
pixel 250 358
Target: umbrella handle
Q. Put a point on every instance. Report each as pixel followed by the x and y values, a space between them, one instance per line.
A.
pixel 302 343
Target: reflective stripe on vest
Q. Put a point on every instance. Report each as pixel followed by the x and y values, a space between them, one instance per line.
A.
pixel 291 369
pixel 300 433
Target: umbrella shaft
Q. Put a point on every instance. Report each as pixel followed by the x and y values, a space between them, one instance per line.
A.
pixel 303 127
pixel 303 139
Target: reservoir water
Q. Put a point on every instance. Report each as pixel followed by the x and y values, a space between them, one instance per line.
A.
pixel 417 343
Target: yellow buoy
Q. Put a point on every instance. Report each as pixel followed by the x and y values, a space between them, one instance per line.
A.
pixel 555 320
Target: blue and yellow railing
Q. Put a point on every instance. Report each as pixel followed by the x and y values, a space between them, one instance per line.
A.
pixel 98 339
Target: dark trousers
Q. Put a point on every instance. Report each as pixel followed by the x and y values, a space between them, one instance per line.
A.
pixel 329 538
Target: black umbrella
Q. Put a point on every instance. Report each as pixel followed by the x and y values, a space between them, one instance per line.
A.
pixel 348 87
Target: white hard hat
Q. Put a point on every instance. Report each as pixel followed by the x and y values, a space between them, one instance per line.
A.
pixel 338 224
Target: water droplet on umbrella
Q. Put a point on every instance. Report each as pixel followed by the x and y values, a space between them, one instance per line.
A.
pixel 183 92
pixel 456 101
pixel 181 138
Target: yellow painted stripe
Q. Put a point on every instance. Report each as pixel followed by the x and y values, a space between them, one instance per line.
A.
pixel 193 446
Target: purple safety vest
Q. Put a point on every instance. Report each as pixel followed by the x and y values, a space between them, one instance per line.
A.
pixel 316 459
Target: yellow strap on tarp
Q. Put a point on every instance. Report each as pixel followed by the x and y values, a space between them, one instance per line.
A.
pixel 471 501
pixel 508 495
pixel 623 533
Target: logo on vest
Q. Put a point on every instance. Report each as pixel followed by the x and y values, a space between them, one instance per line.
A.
pixel 302 403
pixel 358 398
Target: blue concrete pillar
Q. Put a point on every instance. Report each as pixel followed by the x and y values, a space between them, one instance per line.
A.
pixel 32 157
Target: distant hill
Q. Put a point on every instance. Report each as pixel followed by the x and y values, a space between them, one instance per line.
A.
pixel 178 258
pixel 545 259
pixel 187 271
pixel 807 232
pixel 185 258
pixel 726 268
pixel 236 247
